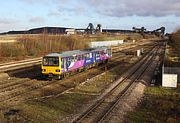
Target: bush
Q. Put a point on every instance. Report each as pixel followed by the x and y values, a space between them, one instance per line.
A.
pixel 12 50
pixel 176 40
pixel 37 45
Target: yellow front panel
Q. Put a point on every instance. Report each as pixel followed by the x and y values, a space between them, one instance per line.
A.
pixel 50 70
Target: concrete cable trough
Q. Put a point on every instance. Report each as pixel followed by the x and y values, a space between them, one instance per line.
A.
pixel 19 64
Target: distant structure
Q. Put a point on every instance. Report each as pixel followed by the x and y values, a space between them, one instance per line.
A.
pixel 105 43
pixel 91 30
pixel 159 32
pixel 70 31
pixel 139 30
pixel 99 28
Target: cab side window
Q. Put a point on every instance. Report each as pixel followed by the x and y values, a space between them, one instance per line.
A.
pixel 62 62
pixel 79 57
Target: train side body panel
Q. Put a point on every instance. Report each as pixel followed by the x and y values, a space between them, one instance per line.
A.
pixel 71 66
pixel 73 60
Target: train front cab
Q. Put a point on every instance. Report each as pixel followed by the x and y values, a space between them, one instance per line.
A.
pixel 51 66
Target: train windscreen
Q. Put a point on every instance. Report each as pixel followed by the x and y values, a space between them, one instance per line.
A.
pixel 50 61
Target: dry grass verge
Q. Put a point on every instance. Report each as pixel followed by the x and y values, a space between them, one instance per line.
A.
pixel 159 105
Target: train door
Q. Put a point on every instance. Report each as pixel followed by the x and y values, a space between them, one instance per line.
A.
pixel 64 64
pixel 97 56
pixel 94 56
pixel 91 56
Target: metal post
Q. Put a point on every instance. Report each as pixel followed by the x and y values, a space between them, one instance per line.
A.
pixel 105 72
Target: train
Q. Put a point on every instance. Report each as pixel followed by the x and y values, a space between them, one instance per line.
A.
pixel 59 65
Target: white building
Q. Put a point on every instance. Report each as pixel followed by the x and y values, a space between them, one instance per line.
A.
pixel 70 31
pixel 170 76
pixel 105 43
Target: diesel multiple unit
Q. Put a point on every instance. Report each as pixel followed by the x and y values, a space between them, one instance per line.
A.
pixel 61 64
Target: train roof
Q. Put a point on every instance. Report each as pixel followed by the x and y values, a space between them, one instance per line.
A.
pixel 75 52
pixel 96 48
pixel 102 48
pixel 53 55
pixel 71 53
pixel 66 53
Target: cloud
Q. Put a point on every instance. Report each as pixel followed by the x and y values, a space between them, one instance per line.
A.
pixel 35 1
pixel 116 8
pixel 66 19
pixel 45 2
pixel 36 20
pixel 73 9
pixel 121 8
pixel 54 13
pixel 7 24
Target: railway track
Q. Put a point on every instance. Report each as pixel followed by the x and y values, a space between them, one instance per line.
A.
pixel 132 45
pixel 14 90
pixel 19 64
pixel 17 88
pixel 22 61
pixel 4 67
pixel 113 112
pixel 98 111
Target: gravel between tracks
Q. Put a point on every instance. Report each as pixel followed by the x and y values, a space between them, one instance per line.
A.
pixel 81 109
pixel 128 104
pixel 130 101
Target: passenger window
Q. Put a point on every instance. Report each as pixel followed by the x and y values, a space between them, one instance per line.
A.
pixel 105 51
pixel 97 54
pixel 90 55
pixel 71 59
pixel 79 58
pixel 102 53
pixel 68 61
pixel 87 55
pixel 75 58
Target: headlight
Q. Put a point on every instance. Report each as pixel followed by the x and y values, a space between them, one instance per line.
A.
pixel 43 70
pixel 57 70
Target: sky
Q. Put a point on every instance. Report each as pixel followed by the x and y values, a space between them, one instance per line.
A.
pixel 111 14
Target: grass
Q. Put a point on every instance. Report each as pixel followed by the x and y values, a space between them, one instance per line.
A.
pixel 56 109
pixel 29 46
pixel 175 39
pixel 51 110
pixel 47 110
pixel 96 85
pixel 8 38
pixel 173 50
pixel 159 105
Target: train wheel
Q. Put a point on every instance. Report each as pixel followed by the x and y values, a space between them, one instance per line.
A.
pixel 67 74
pixel 44 76
pixel 106 61
pixel 59 77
